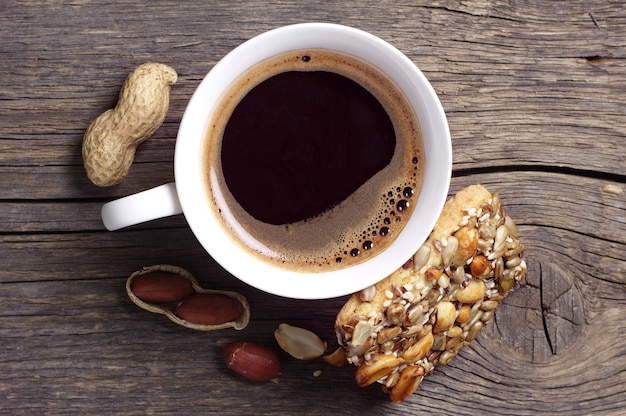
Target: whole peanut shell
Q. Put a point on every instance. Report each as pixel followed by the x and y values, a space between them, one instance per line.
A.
pixel 110 141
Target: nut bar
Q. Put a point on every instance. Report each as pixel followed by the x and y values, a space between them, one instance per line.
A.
pixel 421 315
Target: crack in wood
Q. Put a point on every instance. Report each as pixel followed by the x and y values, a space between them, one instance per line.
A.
pixel 584 173
pixel 544 312
pixel 595 22
pixel 473 10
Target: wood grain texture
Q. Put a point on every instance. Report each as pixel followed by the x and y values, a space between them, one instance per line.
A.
pixel 535 94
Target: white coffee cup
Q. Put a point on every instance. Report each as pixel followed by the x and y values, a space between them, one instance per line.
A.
pixel 188 194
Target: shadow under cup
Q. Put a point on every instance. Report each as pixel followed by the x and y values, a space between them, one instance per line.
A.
pixel 196 203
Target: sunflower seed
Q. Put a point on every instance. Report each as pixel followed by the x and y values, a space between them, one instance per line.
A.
pixel 474 331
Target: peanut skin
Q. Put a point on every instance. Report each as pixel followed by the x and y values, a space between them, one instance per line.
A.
pixel 110 141
pixel 209 309
pixel 161 287
pixel 252 361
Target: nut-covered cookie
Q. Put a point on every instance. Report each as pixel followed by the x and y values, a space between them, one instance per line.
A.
pixel 421 315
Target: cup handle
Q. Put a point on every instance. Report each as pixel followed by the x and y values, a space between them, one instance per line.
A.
pixel 151 204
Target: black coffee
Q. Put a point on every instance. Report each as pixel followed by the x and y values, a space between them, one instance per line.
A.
pixel 314 160
pixel 300 143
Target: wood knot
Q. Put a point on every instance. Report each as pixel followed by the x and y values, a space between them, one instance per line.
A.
pixel 545 315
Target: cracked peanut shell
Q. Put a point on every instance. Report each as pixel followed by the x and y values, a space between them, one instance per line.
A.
pixel 204 309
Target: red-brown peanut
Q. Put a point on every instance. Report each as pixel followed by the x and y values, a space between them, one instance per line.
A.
pixel 161 287
pixel 252 361
pixel 208 309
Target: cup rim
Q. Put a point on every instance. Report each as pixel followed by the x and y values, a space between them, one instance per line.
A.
pixel 312 285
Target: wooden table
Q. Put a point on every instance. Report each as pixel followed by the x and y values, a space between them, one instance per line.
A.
pixel 535 93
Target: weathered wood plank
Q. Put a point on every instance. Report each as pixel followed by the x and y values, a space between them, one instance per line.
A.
pixel 538 198
pixel 552 242
pixel 93 322
pixel 71 183
pixel 508 87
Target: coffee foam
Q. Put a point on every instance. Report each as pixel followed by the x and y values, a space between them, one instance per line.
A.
pixel 317 243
